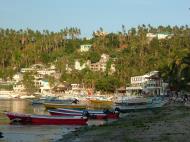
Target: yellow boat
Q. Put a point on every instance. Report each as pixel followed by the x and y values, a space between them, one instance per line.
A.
pixel 69 106
pixel 100 102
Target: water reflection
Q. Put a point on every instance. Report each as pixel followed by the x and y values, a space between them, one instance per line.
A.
pixel 23 106
pixel 32 133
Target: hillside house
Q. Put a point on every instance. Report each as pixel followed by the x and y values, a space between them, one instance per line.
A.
pixel 85 48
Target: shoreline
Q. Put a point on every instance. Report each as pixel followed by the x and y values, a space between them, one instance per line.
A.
pixel 170 123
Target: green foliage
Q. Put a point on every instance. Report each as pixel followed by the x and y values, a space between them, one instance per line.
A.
pixel 6 87
pixel 28 81
pixel 94 56
pixel 107 84
pixel 135 54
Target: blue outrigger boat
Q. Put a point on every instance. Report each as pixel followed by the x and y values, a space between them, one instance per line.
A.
pixel 49 99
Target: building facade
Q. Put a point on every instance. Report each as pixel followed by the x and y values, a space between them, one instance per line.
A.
pixel 150 83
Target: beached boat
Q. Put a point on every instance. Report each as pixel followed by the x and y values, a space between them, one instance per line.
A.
pixel 92 114
pixel 132 100
pixel 46 119
pixel 56 105
pixel 137 106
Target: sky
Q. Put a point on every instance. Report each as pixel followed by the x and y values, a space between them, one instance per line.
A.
pixel 90 15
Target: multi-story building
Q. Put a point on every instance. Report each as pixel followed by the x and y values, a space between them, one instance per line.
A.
pixel 40 73
pixel 101 65
pixel 150 83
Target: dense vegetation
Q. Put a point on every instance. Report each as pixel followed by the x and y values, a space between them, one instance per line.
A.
pixel 134 54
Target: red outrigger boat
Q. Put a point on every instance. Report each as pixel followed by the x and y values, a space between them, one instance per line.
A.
pixel 92 114
pixel 46 120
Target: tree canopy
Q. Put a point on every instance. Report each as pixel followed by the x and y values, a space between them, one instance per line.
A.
pixel 133 51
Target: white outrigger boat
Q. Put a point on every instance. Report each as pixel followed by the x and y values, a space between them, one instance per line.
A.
pixel 137 105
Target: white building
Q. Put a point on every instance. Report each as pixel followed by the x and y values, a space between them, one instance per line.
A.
pixel 46 72
pixel 163 36
pixel 101 65
pixel 18 87
pixel 85 48
pixel 159 36
pixel 18 77
pixel 34 67
pixel 78 66
pixel 76 88
pixel 150 83
pixel 23 70
pixel 45 86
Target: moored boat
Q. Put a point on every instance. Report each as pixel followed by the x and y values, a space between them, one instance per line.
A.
pixel 56 105
pixel 27 97
pixel 100 102
pixel 50 100
pixel 46 119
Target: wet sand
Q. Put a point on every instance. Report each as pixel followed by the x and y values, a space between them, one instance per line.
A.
pixel 168 124
pixel 29 133
pixel 39 133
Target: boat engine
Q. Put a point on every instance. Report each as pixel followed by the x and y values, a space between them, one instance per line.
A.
pixel 85 113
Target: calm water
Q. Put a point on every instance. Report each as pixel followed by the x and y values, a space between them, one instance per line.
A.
pixel 30 133
pixel 22 106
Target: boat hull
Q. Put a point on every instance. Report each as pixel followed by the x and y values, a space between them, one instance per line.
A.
pixel 90 114
pixel 101 102
pixel 45 119
pixel 17 117
pixel 126 108
pixel 71 106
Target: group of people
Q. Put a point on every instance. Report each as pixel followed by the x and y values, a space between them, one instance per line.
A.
pixel 178 97
pixel 1 135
